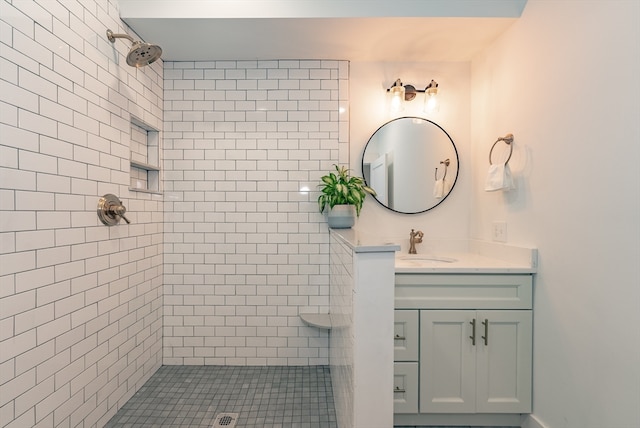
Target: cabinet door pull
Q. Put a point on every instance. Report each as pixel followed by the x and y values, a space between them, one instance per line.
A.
pixel 398 337
pixel 397 389
pixel 473 332
pixel 486 331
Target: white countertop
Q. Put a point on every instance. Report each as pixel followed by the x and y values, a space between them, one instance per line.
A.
pixel 445 256
pixel 455 262
pixel 362 242
pixel 470 257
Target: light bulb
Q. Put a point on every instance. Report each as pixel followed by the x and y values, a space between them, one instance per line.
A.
pixel 431 101
pixel 431 104
pixel 396 102
pixel 397 97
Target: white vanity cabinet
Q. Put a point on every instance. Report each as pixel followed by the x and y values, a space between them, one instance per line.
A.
pixel 475 361
pixel 474 348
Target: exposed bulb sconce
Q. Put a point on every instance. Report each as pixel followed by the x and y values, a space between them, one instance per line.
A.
pixel 400 93
pixel 431 101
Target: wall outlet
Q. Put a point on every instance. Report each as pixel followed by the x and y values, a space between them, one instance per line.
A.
pixel 499 231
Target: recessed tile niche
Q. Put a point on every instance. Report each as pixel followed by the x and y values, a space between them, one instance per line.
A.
pixel 144 145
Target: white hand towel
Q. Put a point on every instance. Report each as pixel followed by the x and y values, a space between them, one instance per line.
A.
pixel 438 189
pixel 498 178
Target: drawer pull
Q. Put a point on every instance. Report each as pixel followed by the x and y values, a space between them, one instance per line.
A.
pixel 486 331
pixel 473 332
pixel 398 337
pixel 397 389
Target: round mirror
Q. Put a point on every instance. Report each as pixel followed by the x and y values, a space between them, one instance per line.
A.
pixel 411 163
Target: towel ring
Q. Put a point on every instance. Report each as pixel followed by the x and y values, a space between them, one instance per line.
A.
pixel 508 139
pixel 446 163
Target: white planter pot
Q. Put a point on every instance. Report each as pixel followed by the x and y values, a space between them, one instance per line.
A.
pixel 341 217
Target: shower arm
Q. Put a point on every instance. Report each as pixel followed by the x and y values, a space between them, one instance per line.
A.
pixel 113 36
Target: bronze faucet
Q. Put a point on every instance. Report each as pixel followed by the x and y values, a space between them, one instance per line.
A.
pixel 414 238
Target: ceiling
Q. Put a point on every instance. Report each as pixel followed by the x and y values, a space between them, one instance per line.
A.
pixel 356 30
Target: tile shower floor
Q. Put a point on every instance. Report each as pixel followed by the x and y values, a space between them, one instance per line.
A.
pixel 264 397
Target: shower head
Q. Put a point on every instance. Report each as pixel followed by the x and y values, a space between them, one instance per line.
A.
pixel 141 53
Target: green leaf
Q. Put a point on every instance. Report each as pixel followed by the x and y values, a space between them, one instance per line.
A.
pixel 328 180
pixel 369 190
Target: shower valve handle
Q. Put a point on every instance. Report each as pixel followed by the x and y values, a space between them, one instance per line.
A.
pixel 119 210
pixel 111 210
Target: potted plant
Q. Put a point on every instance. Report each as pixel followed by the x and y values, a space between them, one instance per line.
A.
pixel 344 195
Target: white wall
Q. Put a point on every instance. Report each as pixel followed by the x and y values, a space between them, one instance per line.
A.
pixel 369 111
pixel 80 303
pixel 564 80
pixel 245 249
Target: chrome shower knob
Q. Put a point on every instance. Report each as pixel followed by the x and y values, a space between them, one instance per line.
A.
pixel 111 210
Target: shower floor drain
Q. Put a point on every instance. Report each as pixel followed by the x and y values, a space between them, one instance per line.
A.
pixel 225 420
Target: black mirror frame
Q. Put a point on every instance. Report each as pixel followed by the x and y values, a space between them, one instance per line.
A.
pixel 455 149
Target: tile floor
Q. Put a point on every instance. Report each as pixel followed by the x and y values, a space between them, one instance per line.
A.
pixel 264 397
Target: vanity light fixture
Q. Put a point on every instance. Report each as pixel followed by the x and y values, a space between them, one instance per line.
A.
pixel 400 93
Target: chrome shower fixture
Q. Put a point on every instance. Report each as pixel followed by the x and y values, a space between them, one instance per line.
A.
pixel 141 53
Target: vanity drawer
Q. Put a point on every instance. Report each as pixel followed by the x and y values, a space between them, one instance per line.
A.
pixel 405 388
pixel 463 291
pixel 405 335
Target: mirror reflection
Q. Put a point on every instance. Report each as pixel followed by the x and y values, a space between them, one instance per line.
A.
pixel 411 163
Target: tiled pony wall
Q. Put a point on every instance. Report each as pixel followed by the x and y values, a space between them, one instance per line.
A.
pixel 80 302
pixel 245 247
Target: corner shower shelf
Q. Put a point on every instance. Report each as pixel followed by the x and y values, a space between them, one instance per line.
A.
pixel 317 320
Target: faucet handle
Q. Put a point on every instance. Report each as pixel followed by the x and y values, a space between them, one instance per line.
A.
pixel 119 210
pixel 111 210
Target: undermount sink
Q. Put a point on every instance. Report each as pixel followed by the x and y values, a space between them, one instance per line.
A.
pixel 420 258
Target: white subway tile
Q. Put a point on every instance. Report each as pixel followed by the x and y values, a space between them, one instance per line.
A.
pixel 53 401
pixel 15 388
pixel 30 359
pixel 17 262
pixel 15 346
pixel 18 96
pixel 17 179
pixel 53 329
pixel 31 240
pixel 38 124
pixel 7 201
pixel 34 201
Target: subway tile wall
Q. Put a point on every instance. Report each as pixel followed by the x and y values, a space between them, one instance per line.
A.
pixel 245 247
pixel 341 347
pixel 80 302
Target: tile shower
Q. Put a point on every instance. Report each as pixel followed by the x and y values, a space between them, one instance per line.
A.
pixel 245 249
pixel 214 271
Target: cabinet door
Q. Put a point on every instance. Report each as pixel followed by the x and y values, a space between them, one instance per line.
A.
pixel 447 361
pixel 405 388
pixel 504 361
pixel 405 335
